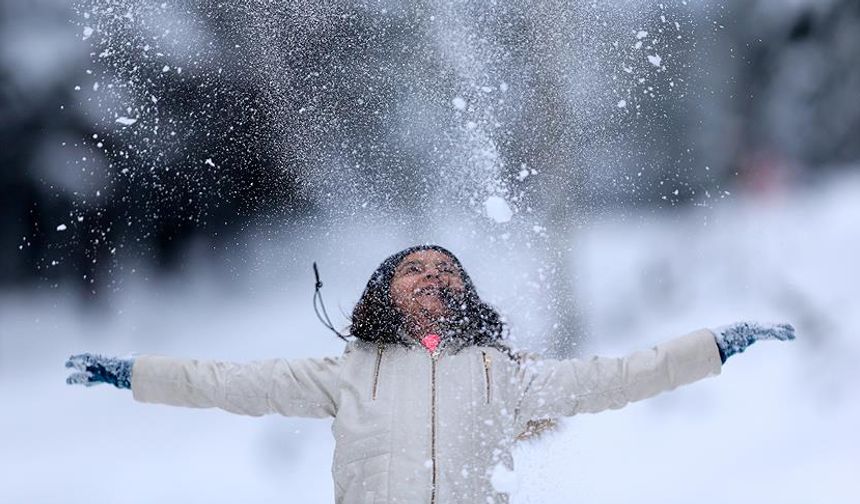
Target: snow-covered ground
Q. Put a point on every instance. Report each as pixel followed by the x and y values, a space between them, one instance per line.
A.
pixel 779 424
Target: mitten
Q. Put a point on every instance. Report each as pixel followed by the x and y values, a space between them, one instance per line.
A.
pixel 95 369
pixel 735 338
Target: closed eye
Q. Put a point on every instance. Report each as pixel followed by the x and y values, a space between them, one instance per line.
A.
pixel 446 268
pixel 412 267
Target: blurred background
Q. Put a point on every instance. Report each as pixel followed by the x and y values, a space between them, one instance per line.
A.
pixel 611 173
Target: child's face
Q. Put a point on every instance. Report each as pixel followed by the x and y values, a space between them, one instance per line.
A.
pixel 420 282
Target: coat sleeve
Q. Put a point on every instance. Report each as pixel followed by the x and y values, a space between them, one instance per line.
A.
pixel 302 387
pixel 553 388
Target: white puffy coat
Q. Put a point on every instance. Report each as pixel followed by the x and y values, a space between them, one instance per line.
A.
pixel 411 427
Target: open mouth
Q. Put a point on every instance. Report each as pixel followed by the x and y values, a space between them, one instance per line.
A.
pixel 430 290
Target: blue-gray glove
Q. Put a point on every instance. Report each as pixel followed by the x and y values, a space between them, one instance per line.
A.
pixel 735 338
pixel 95 369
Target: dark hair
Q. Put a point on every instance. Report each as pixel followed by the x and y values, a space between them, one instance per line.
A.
pixel 375 318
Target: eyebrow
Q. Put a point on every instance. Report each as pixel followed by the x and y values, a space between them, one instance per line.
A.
pixel 416 261
pixel 406 263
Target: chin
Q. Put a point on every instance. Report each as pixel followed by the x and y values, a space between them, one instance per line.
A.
pixel 435 310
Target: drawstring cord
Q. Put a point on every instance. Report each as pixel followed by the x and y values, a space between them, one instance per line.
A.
pixel 320 310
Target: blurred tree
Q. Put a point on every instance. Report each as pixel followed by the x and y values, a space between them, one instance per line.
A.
pixel 252 109
pixel 796 86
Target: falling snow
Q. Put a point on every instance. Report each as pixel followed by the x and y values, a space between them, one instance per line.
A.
pixel 269 134
pixel 498 209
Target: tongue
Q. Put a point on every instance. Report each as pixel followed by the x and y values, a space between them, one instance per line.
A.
pixel 431 341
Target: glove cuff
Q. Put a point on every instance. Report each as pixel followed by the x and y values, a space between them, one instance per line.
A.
pixel 123 374
pixel 734 338
pixel 117 372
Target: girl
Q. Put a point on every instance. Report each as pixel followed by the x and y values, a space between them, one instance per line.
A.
pixel 427 398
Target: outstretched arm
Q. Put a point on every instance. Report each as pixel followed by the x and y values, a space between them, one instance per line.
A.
pixel 554 388
pixel 302 387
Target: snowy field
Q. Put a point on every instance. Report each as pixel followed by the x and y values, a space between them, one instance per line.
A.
pixel 779 425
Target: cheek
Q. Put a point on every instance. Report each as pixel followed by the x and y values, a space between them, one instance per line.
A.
pixel 400 295
pixel 457 284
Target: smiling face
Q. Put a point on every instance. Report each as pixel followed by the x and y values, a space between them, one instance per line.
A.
pixel 422 290
pixel 422 283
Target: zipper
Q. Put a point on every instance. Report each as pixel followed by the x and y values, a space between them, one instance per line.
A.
pixel 376 371
pixel 433 426
pixel 487 362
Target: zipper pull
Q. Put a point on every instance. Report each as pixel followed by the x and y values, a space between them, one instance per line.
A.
pixel 488 359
